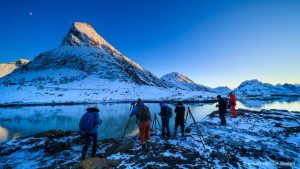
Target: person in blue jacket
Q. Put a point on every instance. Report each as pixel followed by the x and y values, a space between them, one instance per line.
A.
pixel 88 125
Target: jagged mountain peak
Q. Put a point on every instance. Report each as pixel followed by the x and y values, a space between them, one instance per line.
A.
pixel 84 53
pixel 83 34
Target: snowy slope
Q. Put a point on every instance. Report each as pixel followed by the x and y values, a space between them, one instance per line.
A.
pixel 7 68
pixel 257 88
pixel 85 52
pixel 180 81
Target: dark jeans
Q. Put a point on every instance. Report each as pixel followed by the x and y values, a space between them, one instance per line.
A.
pixel 88 137
pixel 165 125
pixel 222 117
pixel 179 122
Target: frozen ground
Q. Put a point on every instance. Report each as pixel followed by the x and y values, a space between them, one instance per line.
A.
pixel 256 139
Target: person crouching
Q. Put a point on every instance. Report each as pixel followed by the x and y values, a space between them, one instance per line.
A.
pixel 143 115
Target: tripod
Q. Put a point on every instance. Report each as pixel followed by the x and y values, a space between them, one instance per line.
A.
pixel 189 113
pixel 154 123
pixel 127 122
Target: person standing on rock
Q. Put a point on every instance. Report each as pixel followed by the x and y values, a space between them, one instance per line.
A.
pixel 88 125
pixel 166 114
pixel 143 115
pixel 232 101
pixel 222 109
pixel 179 119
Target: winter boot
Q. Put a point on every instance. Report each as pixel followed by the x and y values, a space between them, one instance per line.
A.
pixel 143 146
pixel 175 134
pixel 84 151
pixel 148 146
pixel 168 135
pixel 94 151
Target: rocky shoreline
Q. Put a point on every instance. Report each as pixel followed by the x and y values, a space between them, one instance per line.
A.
pixel 256 139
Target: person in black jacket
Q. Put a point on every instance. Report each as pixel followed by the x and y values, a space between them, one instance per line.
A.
pixel 222 109
pixel 165 111
pixel 179 119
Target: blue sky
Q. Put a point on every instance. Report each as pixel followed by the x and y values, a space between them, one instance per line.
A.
pixel 212 42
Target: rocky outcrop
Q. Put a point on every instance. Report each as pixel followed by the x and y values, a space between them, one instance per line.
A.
pixel 261 139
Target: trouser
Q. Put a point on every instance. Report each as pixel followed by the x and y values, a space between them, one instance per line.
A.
pixel 144 128
pixel 232 107
pixel 88 137
pixel 222 117
pixel 165 126
pixel 179 122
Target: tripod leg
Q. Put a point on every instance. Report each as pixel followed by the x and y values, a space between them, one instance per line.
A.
pixel 158 122
pixel 197 128
pixel 126 128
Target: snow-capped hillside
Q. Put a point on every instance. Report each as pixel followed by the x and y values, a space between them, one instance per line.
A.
pixel 7 68
pixel 82 53
pixel 222 90
pixel 257 88
pixel 180 81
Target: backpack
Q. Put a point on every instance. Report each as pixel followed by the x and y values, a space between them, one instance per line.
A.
pixel 169 112
pixel 87 122
pixel 144 113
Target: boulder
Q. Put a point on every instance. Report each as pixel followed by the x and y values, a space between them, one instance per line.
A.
pixel 54 146
pixel 96 163
pixel 121 147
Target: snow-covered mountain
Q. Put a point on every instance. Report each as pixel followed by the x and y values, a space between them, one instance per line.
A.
pixel 7 68
pixel 222 90
pixel 180 81
pixel 82 53
pixel 257 88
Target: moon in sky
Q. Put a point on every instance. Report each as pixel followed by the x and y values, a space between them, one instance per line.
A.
pixel 30 13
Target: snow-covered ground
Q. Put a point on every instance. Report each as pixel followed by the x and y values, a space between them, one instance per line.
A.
pixel 93 89
pixel 256 139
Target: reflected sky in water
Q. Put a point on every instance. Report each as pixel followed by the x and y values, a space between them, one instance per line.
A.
pixel 24 121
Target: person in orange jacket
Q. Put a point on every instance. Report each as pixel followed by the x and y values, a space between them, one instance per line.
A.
pixel 232 101
pixel 142 113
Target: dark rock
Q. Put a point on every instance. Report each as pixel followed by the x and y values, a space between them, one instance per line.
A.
pixel 96 163
pixel 54 146
pixel 121 147
pixel 55 134
pixel 8 151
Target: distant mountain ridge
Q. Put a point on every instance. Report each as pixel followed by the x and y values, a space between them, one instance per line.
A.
pixel 180 81
pixel 257 88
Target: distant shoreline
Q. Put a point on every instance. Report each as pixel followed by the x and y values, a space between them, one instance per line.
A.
pixel 71 103
pixel 32 104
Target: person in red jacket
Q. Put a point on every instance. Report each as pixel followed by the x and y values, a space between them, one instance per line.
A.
pixel 232 101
